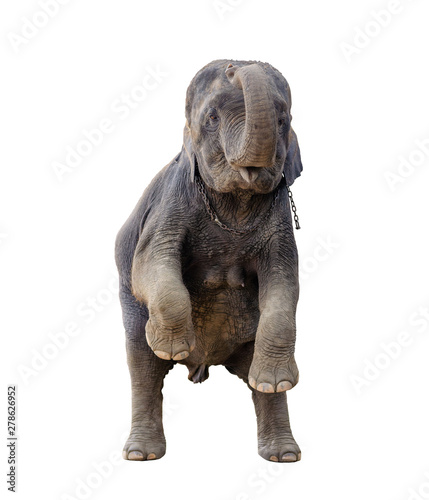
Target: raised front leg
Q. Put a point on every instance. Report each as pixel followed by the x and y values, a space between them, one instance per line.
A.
pixel 273 368
pixel 157 282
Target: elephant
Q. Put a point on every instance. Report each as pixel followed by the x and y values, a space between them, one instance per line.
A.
pixel 208 262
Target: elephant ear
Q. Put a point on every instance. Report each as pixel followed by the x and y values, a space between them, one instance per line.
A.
pixel 189 148
pixel 293 165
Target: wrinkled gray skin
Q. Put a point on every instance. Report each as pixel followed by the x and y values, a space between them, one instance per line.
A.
pixel 196 294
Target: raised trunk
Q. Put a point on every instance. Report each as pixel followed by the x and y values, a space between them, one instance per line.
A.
pixel 256 147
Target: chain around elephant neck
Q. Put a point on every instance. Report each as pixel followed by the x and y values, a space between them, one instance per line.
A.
pixel 292 204
pixel 215 218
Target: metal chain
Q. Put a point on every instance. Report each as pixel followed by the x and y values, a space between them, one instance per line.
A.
pixel 215 218
pixel 292 203
pixel 247 229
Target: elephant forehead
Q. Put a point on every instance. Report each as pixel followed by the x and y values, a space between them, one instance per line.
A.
pixel 218 99
pixel 225 95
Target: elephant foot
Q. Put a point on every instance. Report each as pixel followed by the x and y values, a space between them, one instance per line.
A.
pixel 272 373
pixel 279 449
pixel 142 445
pixel 167 343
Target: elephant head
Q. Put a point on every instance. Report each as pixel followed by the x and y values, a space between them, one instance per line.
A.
pixel 238 130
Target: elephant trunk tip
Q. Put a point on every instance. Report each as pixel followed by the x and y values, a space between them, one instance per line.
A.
pixel 230 74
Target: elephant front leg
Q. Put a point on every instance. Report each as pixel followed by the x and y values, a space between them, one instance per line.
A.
pixel 169 330
pixel 273 367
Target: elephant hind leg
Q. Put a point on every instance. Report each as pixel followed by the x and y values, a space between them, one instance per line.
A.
pixel 147 371
pixel 275 439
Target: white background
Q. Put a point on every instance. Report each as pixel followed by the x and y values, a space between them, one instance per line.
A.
pixel 354 119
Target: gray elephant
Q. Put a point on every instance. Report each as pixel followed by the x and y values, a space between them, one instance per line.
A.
pixel 207 260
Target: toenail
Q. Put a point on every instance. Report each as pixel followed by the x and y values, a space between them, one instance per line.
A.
pixel 151 456
pixel 181 355
pixel 252 382
pixel 124 455
pixel 289 457
pixel 162 354
pixel 284 385
pixel 264 387
pixel 135 455
pixel 273 458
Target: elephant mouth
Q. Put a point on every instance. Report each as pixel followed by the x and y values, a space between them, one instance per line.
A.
pixel 249 174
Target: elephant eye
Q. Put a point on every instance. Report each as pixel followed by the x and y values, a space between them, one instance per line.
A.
pixel 212 120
